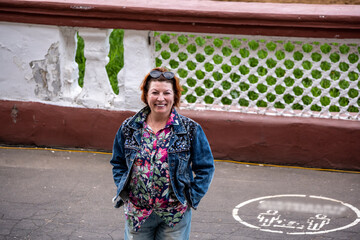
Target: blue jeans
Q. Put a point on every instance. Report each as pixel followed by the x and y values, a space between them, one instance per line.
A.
pixel 155 229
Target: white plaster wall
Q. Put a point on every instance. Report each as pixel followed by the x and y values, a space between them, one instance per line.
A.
pixel 19 45
pixel 51 49
pixel 138 61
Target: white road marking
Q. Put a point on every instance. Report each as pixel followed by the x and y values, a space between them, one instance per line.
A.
pixel 311 220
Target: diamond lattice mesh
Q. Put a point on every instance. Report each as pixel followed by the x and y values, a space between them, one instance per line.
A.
pixel 266 75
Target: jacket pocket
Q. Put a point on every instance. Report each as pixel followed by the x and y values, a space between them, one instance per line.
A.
pixel 130 155
pixel 183 161
pixel 187 193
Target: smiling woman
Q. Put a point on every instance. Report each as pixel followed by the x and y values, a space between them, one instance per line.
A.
pixel 160 100
pixel 156 155
pixel 159 95
pixel 161 75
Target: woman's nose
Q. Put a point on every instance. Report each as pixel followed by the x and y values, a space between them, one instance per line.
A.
pixel 161 97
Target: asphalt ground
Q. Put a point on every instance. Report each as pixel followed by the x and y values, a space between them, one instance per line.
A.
pixel 66 194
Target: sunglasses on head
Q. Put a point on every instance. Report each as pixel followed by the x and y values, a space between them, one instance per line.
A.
pixel 156 74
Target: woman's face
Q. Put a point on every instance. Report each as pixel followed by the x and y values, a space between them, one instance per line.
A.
pixel 160 97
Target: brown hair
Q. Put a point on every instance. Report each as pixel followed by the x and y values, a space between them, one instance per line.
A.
pixel 144 87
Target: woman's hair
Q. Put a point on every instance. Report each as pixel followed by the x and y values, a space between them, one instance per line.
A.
pixel 144 87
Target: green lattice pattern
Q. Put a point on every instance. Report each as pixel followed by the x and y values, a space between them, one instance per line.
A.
pixel 296 76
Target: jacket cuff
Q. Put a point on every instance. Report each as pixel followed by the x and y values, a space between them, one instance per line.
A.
pixel 118 202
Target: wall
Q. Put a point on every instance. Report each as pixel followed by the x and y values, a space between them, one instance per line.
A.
pixel 42 104
pixel 38 64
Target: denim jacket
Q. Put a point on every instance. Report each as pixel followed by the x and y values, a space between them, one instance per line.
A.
pixel 191 164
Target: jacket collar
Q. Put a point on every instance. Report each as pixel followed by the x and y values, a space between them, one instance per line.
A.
pixel 136 123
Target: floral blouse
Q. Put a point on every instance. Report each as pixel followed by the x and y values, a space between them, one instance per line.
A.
pixel 150 188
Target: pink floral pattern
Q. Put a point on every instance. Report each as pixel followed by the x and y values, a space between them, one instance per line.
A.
pixel 150 188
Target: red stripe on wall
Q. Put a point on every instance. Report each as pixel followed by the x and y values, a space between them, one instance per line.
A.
pixel 308 142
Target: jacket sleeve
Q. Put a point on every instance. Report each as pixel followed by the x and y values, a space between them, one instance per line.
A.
pixel 118 160
pixel 202 166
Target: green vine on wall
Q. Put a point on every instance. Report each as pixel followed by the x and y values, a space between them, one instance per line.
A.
pixel 80 59
pixel 116 58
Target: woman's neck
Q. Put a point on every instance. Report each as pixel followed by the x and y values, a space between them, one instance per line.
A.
pixel 157 121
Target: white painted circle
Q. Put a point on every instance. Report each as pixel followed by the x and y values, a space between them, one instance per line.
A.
pixel 313 227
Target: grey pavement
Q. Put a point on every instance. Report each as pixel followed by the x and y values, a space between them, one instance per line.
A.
pixel 48 194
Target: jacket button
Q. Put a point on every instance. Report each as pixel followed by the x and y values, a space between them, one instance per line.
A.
pixel 172 164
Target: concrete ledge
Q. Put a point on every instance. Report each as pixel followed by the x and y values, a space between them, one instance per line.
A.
pixel 305 142
pixel 269 19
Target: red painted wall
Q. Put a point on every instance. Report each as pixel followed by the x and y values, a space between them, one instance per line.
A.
pixel 244 137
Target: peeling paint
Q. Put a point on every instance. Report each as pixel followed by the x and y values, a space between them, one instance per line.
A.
pixel 14 114
pixel 39 66
pixel 81 7
pixel 46 74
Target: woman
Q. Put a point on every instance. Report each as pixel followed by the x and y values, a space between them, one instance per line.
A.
pixel 162 163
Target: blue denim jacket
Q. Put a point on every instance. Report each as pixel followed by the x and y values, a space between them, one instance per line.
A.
pixel 190 160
